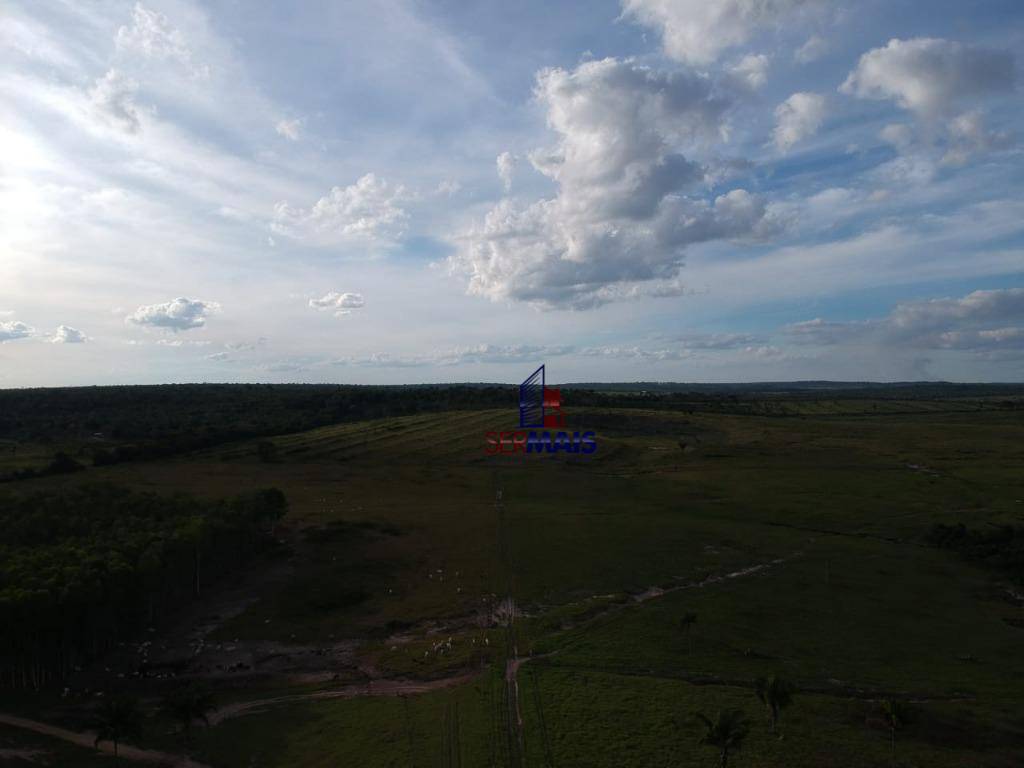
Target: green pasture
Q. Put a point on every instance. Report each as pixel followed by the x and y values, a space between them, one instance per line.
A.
pixel 395 533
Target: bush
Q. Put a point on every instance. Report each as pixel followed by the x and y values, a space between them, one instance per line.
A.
pixel 63 464
pixel 998 547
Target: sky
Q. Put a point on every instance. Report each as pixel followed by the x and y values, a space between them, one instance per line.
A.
pixel 442 190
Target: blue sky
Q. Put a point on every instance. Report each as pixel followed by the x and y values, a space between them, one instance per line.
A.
pixel 447 191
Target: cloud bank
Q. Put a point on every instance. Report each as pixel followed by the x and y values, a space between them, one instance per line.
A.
pixel 980 321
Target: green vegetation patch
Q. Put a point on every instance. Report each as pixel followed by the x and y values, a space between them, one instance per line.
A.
pixel 84 567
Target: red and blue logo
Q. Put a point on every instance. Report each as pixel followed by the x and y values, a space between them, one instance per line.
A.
pixel 541 424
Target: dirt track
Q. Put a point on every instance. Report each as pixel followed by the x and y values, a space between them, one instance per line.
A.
pixel 371 688
pixel 128 752
pixel 87 740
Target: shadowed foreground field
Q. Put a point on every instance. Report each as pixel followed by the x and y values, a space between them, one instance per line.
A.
pixel 551 589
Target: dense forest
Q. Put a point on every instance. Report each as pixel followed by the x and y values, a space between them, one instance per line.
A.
pixel 82 568
pixel 172 417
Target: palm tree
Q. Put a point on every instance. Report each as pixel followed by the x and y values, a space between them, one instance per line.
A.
pixel 188 704
pixel 726 732
pixel 119 716
pixel 897 714
pixel 685 624
pixel 776 694
pixel 196 534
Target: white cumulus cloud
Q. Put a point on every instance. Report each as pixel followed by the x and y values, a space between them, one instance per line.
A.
pixel 751 70
pixel 620 222
pixel 180 314
pixel 698 31
pixel 65 334
pixel 506 163
pixel 14 329
pixel 369 210
pixel 929 76
pixel 797 118
pixel 341 303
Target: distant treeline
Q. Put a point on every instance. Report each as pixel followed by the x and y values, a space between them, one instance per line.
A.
pixel 83 568
pixel 107 425
pixel 143 422
pixel 799 390
pixel 998 547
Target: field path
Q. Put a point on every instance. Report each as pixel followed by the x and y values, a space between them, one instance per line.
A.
pixel 511 678
pixel 371 688
pixel 508 611
pixel 87 740
pixel 652 593
pixel 750 570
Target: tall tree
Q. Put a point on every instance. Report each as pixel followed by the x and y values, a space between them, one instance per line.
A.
pixel 189 703
pixel 897 714
pixel 118 717
pixel 726 732
pixel 686 625
pixel 776 694
pixel 196 534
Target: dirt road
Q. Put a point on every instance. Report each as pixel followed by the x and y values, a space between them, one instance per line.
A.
pixel 371 688
pixel 87 740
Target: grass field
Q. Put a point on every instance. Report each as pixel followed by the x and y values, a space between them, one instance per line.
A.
pixel 796 536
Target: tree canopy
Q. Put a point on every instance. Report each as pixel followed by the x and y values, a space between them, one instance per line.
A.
pixel 83 567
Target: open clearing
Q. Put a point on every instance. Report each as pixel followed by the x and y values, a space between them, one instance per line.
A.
pixel 796 536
